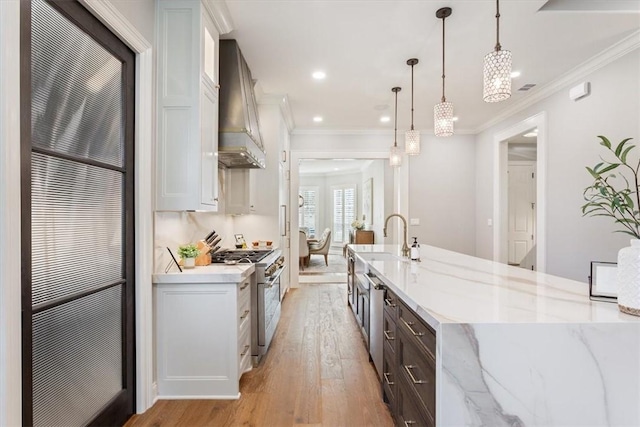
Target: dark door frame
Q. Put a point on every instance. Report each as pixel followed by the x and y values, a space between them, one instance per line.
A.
pixel 122 405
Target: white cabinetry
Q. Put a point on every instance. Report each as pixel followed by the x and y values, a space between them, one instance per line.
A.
pixel 203 339
pixel 187 166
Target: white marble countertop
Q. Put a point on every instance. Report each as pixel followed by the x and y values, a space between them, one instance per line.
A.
pixel 214 273
pixel 449 287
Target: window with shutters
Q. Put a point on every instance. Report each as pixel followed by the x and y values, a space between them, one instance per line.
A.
pixel 308 213
pixel 344 212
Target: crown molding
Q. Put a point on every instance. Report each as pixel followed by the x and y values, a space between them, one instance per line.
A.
pixel 220 15
pixel 607 56
pixel 117 23
pixel 281 101
pixel 369 132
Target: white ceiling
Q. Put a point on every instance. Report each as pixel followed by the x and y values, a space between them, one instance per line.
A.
pixel 363 47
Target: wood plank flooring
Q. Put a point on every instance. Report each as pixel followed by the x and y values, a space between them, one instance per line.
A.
pixel 317 373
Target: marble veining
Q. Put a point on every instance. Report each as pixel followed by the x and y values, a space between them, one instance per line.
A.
pixel 451 287
pixel 173 229
pixel 214 273
pixel 516 347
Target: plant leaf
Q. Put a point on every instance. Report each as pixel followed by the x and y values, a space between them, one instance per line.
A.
pixel 610 167
pixel 605 141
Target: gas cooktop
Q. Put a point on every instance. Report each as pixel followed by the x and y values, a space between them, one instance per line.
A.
pixel 239 254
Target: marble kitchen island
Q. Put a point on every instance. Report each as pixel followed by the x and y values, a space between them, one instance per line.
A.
pixel 515 347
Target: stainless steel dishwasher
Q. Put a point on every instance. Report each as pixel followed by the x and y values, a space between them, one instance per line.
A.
pixel 376 310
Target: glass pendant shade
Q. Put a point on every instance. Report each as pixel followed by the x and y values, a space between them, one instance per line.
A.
pixel 497 76
pixel 443 119
pixel 395 156
pixel 412 142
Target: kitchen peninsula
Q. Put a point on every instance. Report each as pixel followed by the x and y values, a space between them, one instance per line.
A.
pixel 505 346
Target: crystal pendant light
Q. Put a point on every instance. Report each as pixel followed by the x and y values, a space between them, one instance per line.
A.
pixel 412 137
pixel 497 69
pixel 395 155
pixel 443 112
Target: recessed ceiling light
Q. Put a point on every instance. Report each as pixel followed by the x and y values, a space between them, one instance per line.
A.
pixel 317 119
pixel 319 75
pixel 515 74
pixel 530 134
pixel 455 119
pixel 385 119
pixel 336 169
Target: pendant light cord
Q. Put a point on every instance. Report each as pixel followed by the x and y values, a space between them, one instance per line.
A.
pixel 411 96
pixel 498 47
pixel 395 124
pixel 443 97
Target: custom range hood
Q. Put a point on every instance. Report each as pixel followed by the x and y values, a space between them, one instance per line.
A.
pixel 239 140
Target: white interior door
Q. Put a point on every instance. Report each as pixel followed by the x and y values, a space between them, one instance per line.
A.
pixel 522 208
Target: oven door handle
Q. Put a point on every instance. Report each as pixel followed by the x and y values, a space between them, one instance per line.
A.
pixel 274 278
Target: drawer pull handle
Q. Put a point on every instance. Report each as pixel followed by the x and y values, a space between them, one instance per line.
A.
pixel 389 303
pixel 246 348
pixel 243 287
pixel 408 423
pixel 409 326
pixel 246 313
pixel 408 368
pixel 388 337
pixel 386 378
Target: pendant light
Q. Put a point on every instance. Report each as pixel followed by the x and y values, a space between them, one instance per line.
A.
pixel 412 137
pixel 443 112
pixel 497 69
pixel 395 156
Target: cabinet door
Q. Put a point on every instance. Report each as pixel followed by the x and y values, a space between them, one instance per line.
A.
pixel 209 146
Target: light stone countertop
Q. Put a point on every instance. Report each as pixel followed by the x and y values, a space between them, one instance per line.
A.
pixel 449 287
pixel 214 273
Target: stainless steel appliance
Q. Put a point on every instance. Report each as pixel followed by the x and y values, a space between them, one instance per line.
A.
pixel 239 141
pixel 376 323
pixel 265 294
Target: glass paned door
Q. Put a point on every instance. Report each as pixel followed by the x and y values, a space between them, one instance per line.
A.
pixel 78 246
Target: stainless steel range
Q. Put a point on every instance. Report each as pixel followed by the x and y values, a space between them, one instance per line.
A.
pixel 265 293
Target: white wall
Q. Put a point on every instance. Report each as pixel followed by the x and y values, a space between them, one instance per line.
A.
pixel 442 193
pixel 376 171
pixel 613 110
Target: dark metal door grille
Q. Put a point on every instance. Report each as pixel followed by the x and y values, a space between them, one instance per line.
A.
pixel 77 182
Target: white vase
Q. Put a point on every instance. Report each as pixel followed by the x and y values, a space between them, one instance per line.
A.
pixel 629 278
pixel 189 262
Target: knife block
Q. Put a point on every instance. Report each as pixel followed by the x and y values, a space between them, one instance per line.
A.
pixel 205 257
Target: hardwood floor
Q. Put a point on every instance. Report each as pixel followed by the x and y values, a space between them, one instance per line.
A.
pixel 317 372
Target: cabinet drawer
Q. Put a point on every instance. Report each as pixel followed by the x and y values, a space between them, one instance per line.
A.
pixel 389 332
pixel 244 319
pixel 244 346
pixel 389 380
pixel 421 333
pixel 409 413
pixel 417 368
pixel 244 293
pixel 391 305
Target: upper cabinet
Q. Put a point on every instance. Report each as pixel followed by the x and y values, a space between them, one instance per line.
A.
pixel 187 93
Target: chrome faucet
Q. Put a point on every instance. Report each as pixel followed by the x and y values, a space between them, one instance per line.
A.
pixel 405 248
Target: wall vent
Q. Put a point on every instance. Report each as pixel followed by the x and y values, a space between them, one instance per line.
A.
pixel 527 87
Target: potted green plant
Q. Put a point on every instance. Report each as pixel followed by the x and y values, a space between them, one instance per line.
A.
pixel 615 193
pixel 188 253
